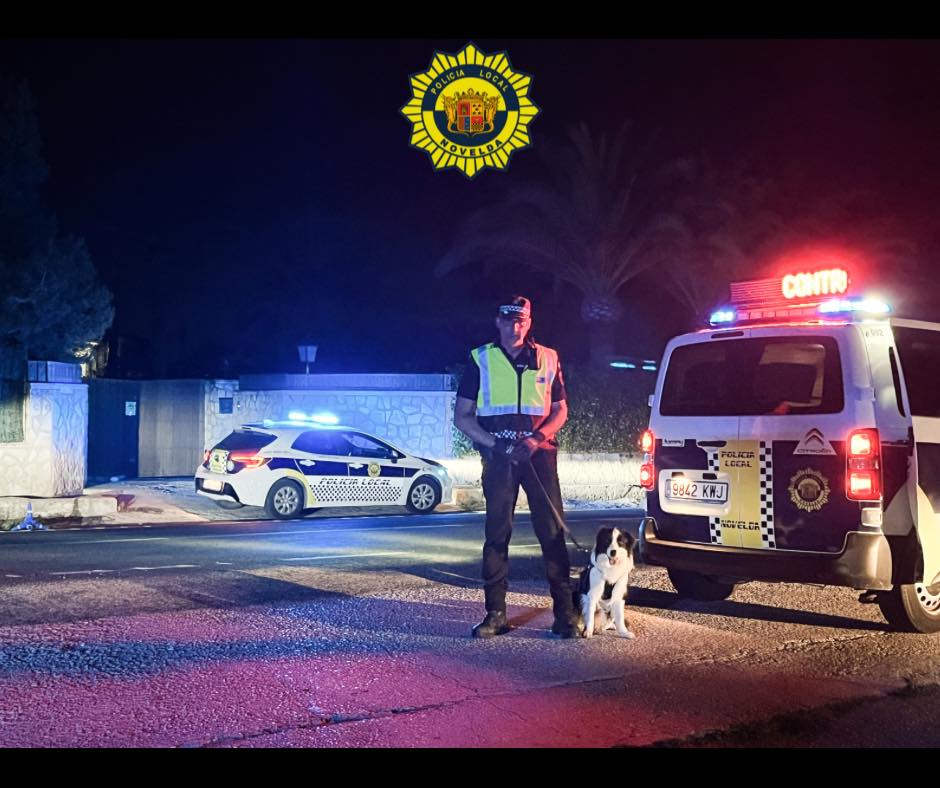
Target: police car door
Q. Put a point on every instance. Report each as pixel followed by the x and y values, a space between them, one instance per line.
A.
pixel 918 346
pixel 798 404
pixel 315 455
pixel 375 477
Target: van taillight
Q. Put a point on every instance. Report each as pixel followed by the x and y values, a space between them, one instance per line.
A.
pixel 863 466
pixel 647 470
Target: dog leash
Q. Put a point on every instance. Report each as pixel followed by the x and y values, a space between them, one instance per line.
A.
pixel 559 520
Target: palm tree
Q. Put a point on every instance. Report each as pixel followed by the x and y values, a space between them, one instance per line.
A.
pixel 722 217
pixel 593 226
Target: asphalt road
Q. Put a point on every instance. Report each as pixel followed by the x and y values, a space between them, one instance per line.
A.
pixel 354 632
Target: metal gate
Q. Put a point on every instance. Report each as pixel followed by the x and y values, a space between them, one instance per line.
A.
pixel 113 428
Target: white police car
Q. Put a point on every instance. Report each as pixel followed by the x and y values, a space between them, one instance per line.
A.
pixel 290 467
pixel 798 440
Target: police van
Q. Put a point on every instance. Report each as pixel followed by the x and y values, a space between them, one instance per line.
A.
pixel 797 439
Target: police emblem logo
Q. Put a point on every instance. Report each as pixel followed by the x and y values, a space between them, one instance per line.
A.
pixel 374 469
pixel 809 490
pixel 470 110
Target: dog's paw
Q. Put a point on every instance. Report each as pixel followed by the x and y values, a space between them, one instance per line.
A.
pixel 626 633
pixel 587 633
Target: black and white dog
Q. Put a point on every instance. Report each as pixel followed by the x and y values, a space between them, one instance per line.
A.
pixel 602 591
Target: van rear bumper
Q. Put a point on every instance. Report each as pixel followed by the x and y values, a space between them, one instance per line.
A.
pixel 864 563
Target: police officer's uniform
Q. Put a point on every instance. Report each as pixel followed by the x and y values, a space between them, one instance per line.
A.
pixel 513 397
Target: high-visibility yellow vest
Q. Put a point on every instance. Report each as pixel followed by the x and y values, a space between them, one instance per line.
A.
pixel 500 390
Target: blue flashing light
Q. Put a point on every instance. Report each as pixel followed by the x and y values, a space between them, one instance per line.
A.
pixel 316 418
pixel 649 367
pixel 842 305
pixel 622 365
pixel 723 316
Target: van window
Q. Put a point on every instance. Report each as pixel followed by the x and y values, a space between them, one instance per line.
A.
pixel 751 377
pixel 920 359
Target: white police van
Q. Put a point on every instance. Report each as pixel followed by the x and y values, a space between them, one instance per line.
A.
pixel 798 440
pixel 306 463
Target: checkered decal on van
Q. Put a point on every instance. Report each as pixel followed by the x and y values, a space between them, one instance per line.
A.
pixel 765 456
pixel 714 523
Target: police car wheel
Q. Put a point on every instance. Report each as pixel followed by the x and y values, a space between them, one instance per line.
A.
pixel 285 500
pixel 228 504
pixel 424 496
pixel 703 588
pixel 911 608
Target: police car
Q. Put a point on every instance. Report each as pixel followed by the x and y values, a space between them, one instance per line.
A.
pixel 797 439
pixel 305 463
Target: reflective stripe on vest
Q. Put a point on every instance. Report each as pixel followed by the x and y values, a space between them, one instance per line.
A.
pixel 499 393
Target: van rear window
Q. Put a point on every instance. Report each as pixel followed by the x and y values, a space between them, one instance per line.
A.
pixel 752 377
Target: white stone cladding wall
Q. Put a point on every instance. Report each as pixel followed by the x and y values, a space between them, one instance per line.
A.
pixel 51 460
pixel 416 421
pixel 218 425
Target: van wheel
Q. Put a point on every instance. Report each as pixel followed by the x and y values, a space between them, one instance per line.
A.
pixel 285 500
pixel 911 608
pixel 693 585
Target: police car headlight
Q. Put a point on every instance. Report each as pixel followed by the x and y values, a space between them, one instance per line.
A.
pixel 442 472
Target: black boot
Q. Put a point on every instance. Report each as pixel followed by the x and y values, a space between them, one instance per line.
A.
pixel 567 625
pixel 494 624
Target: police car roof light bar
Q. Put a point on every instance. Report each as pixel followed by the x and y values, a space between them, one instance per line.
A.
pixel 796 296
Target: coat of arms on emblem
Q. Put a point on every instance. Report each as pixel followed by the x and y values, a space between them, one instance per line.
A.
pixel 375 469
pixel 809 490
pixel 470 112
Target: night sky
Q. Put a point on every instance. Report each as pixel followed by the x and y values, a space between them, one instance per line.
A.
pixel 241 196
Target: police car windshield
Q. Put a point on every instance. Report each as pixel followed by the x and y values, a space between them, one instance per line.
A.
pixel 750 377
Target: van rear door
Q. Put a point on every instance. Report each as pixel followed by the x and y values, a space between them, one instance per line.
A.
pixel 795 418
pixel 918 346
pixel 694 421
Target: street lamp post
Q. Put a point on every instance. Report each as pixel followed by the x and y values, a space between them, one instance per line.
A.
pixel 308 354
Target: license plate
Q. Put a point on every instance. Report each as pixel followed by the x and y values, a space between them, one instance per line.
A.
pixel 705 492
pixel 217 461
pixel 212 484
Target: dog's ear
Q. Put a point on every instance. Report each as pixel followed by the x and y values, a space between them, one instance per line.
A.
pixel 628 542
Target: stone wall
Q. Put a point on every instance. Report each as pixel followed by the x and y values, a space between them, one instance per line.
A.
pixel 51 460
pixel 416 421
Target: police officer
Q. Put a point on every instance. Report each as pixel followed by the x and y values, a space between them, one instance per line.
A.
pixel 511 402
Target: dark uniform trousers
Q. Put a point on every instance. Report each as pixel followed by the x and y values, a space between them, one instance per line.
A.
pixel 501 480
